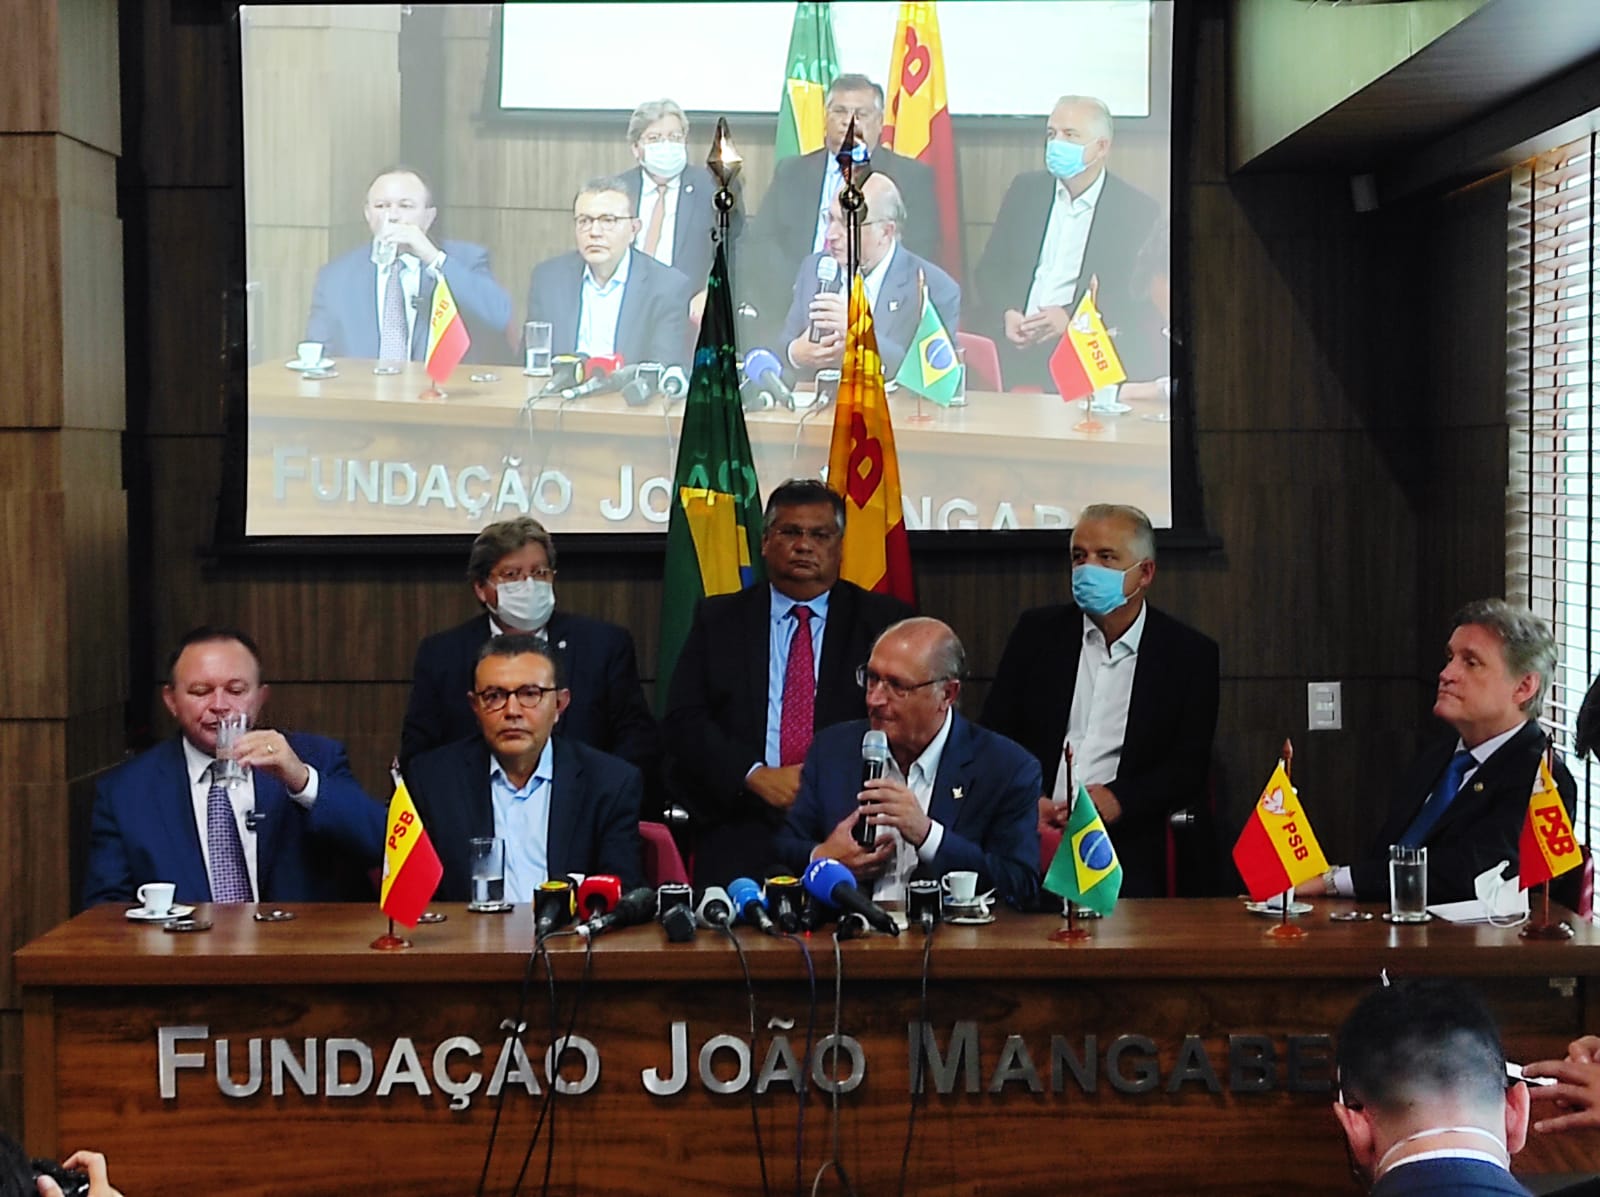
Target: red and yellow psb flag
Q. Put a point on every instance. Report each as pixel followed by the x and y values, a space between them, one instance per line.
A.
pixel 1277 849
pixel 917 124
pixel 1548 847
pixel 863 467
pixel 448 341
pixel 411 868
pixel 1085 360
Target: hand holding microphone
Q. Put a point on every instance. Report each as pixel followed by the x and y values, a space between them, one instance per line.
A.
pixel 828 283
pixel 874 764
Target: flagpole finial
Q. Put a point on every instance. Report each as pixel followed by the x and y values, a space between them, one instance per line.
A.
pixel 1288 755
pixel 724 163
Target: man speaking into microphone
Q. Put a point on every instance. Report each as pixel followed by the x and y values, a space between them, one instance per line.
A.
pixel 952 795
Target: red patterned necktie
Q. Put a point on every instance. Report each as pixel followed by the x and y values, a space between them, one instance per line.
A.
pixel 799 693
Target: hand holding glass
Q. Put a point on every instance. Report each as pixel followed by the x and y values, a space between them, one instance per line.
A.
pixel 230 727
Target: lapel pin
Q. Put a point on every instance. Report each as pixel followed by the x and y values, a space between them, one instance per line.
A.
pixel 894 305
pixel 1477 787
pixel 561 644
pixel 958 793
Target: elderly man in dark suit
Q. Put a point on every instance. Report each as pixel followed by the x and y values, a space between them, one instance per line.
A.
pixel 608 297
pixel 761 672
pixel 1060 231
pixel 362 309
pixel 1130 690
pixel 560 806
pixel 298 828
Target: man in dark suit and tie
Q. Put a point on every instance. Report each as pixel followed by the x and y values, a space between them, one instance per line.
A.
pixel 1059 231
pixel 362 309
pixel 750 690
pixel 1466 797
pixel 297 829
pixel 1129 689
pixel 560 806
pixel 1423 1096
pixel 954 796
pixel 512 568
pixel 608 297
pixel 894 277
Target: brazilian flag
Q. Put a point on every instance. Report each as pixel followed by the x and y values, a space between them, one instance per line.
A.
pixel 931 368
pixel 714 530
pixel 813 66
pixel 1086 869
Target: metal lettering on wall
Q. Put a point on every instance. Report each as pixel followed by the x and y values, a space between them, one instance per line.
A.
pixel 954 1061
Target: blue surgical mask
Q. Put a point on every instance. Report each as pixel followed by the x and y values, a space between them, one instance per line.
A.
pixel 1064 159
pixel 666 159
pixel 1097 589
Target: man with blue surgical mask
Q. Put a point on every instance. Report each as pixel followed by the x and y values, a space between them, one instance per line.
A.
pixel 512 569
pixel 1062 231
pixel 1130 691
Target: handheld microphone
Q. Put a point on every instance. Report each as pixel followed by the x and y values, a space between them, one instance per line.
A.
pixel 827 283
pixel 829 881
pixel 552 907
pixel 716 908
pixel 674 382
pixel 634 907
pixel 746 895
pixel 874 763
pixel 599 894
pixel 762 367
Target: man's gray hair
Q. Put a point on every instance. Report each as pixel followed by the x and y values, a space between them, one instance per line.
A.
pixel 854 82
pixel 649 113
pixel 1525 641
pixel 948 659
pixel 1143 541
pixel 498 541
pixel 1100 122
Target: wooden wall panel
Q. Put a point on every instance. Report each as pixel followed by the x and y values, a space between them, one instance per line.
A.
pixel 32 314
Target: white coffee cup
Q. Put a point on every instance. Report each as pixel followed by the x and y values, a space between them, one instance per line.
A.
pixel 156 896
pixel 310 353
pixel 961 887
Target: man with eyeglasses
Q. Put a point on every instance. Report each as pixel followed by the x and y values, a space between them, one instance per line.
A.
pixel 512 569
pixel 893 281
pixel 1130 690
pixel 608 297
pixel 373 302
pixel 560 806
pixel 1424 1099
pixel 762 671
pixel 955 796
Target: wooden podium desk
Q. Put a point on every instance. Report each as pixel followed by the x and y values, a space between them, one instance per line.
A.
pixel 1179 1051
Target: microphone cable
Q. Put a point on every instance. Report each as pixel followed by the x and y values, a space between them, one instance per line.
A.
pixel 553 1077
pixel 517 1027
pixel 800 425
pixel 918 1081
pixel 750 994
pixel 805 1065
pixel 833 1076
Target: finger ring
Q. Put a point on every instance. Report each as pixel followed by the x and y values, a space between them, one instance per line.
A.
pixel 271 748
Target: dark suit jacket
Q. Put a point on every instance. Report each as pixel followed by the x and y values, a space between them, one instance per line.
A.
pixel 1123 219
pixel 607 710
pixel 990 826
pixel 1481 826
pixel 143 829
pixel 1448 1178
pixel 653 325
pixel 899 308
pixel 344 311
pixel 594 811
pixel 1166 749
pixel 697 217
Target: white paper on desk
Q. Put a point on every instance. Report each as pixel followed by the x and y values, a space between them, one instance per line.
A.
pixel 1499 898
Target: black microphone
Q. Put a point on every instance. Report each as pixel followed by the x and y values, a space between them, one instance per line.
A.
pixel 552 907
pixel 753 396
pixel 598 380
pixel 829 881
pixel 566 370
pixel 827 283
pixel 679 922
pixel 761 366
pixel 634 907
pixel 716 908
pixel 746 895
pixel 874 763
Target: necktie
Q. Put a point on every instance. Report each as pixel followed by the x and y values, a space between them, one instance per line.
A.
pixel 799 693
pixel 1439 801
pixel 392 340
pixel 230 877
pixel 658 216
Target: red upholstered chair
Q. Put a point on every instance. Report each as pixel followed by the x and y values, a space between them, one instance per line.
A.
pixel 662 860
pixel 1049 841
pixel 983 362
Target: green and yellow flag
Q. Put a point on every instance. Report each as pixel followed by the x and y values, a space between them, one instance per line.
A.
pixel 1086 869
pixel 813 66
pixel 714 530
pixel 931 368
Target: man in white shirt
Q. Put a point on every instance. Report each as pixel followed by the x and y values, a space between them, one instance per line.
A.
pixel 1130 690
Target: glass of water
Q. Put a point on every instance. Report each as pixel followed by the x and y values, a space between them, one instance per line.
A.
pixel 1408 884
pixel 230 727
pixel 488 857
pixel 536 336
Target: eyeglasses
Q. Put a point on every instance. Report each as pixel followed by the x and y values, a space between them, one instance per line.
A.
pixel 866 679
pixel 660 138
pixel 606 224
pixel 540 573
pixel 493 698
pixel 840 113
pixel 795 533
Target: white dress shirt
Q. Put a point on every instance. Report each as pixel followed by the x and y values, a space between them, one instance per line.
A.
pixel 891 887
pixel 1098 722
pixel 242 797
pixel 872 284
pixel 649 193
pixel 522 819
pixel 1066 238
pixel 832 180
pixel 410 283
pixel 600 309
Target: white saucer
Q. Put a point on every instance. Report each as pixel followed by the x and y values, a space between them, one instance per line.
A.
pixel 297 364
pixel 970 920
pixel 967 910
pixel 176 911
pixel 1274 912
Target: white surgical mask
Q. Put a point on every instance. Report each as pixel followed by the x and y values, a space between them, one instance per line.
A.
pixel 525 605
pixel 666 159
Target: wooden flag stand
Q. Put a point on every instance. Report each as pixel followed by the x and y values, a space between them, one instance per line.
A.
pixel 1547 928
pixel 389 942
pixel 1283 929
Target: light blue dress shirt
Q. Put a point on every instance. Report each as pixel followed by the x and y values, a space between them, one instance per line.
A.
pixel 781 635
pixel 522 819
pixel 601 309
